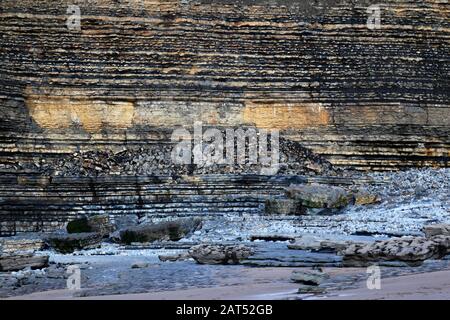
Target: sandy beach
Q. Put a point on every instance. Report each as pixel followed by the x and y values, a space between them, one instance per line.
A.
pixel 273 284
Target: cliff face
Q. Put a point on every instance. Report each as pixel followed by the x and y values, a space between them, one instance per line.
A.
pixel 135 70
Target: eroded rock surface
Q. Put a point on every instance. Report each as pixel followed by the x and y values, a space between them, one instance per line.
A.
pixel 68 243
pixel 220 254
pixel 411 250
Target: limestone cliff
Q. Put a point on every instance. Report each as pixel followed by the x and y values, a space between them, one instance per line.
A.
pixel 136 69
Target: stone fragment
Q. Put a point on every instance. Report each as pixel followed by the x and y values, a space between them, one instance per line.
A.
pixel 366 198
pixel 220 254
pixel 309 277
pixel 139 265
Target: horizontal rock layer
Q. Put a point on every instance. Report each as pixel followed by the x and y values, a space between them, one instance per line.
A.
pixel 136 69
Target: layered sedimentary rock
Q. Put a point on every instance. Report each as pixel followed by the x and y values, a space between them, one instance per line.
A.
pixel 135 70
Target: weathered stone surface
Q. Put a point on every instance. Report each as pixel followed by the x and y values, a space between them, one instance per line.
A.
pixel 68 243
pixel 284 207
pixel 309 277
pixel 220 254
pixel 164 231
pixel 411 250
pixel 15 262
pixel 21 245
pixel 366 198
pixel 319 196
pixel 436 229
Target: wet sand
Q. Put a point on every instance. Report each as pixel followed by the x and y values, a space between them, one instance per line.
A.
pixel 274 284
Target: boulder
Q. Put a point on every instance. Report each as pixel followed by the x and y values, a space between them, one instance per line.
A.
pixel 164 231
pixel 309 277
pixel 16 262
pixel 220 254
pixel 319 196
pixel 366 198
pixel 140 265
pixel 436 229
pixel 99 224
pixel 68 243
pixel 283 207
pixel 411 250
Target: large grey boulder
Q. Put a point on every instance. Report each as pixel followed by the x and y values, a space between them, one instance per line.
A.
pixel 20 261
pixel 163 231
pixel 220 254
pixel 68 243
pixel 319 196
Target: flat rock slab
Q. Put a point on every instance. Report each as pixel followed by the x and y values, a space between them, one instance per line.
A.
pixel 278 255
pixel 323 243
pixel 16 262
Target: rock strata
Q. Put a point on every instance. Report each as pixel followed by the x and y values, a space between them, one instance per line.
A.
pixel 16 262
